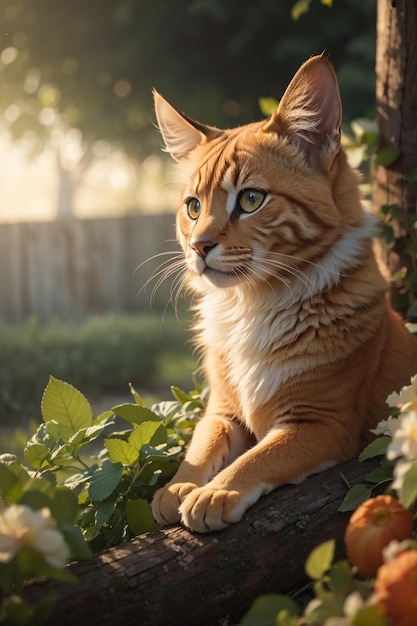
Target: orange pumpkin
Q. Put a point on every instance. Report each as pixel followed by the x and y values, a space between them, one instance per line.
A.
pixel 396 589
pixel 373 525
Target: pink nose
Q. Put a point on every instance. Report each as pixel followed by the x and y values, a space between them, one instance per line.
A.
pixel 202 247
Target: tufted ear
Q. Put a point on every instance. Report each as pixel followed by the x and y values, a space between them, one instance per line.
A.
pixel 180 133
pixel 310 109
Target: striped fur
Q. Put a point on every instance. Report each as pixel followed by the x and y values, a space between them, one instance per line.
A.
pixel 299 345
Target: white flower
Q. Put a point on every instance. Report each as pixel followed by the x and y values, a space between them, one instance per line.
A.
pixel 407 398
pixel 351 606
pixel 404 436
pixel 394 548
pixel 20 526
pixel 400 470
pixel 382 428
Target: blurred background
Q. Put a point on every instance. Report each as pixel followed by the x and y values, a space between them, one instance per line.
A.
pixel 87 195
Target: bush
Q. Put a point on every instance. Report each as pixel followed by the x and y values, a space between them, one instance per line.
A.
pixel 101 354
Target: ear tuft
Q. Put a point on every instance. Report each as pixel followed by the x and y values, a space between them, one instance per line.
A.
pixel 310 109
pixel 180 133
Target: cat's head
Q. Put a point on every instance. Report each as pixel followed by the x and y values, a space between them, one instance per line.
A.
pixel 263 200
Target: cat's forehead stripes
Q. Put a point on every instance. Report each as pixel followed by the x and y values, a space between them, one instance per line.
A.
pixel 224 164
pixel 232 184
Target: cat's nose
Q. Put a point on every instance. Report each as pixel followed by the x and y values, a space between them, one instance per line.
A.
pixel 202 247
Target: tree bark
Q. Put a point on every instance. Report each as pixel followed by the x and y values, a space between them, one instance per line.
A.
pixel 396 106
pixel 174 577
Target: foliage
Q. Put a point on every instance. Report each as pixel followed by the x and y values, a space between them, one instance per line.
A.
pixel 302 6
pixel 400 232
pixel 96 355
pixel 397 228
pixel 342 596
pixel 98 493
pixel 96 75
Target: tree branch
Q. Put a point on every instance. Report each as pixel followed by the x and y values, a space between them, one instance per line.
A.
pixel 174 577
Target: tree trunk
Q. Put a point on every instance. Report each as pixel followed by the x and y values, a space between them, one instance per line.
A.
pixel 396 102
pixel 177 578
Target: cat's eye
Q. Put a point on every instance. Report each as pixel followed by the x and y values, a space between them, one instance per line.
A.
pixel 250 200
pixel 193 208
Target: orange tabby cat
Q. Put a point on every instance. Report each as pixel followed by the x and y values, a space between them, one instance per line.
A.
pixel 300 347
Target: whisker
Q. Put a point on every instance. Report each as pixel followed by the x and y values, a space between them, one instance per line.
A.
pixel 302 260
pixel 293 271
pixel 171 266
pixel 171 253
pixel 261 274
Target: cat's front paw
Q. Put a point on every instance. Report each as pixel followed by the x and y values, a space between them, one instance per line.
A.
pixel 167 500
pixel 206 509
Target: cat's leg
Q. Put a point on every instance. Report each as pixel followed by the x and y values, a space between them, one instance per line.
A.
pixel 216 442
pixel 282 456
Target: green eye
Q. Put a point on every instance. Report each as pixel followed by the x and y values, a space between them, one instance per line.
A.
pixel 193 208
pixel 250 200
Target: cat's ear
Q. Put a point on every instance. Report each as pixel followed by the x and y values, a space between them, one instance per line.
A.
pixel 180 133
pixel 310 110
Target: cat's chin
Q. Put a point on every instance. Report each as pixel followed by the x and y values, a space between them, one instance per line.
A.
pixel 220 279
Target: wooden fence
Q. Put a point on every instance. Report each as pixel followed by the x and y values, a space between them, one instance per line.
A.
pixel 71 268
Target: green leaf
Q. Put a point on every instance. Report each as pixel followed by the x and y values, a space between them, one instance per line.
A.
pixel 101 419
pixel 36 500
pixel 412 310
pixel 104 511
pixel 369 616
pixel 64 506
pixel 365 130
pixel 75 540
pixel 381 474
pixel 36 453
pixel 320 560
pixel 387 156
pixel 121 451
pixel 67 406
pixel 377 447
pixel 87 435
pixel 341 577
pixel 8 480
pixel 105 480
pixel 327 3
pixel 152 433
pixel 139 516
pixel 268 106
pixel 180 395
pixel 299 8
pixel 408 491
pixel 266 608
pixel 135 414
pixel 75 480
pixel 354 497
pixel 137 398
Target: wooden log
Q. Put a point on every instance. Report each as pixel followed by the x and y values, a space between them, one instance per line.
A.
pixel 174 577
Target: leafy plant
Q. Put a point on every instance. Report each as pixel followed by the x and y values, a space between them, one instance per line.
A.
pixel 376 479
pixel 113 485
pixel 95 476
pixel 400 232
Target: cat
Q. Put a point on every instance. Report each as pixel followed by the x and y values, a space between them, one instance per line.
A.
pixel 300 347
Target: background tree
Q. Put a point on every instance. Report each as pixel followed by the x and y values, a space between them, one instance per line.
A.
pixel 395 182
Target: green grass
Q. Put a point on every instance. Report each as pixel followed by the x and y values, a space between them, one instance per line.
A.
pixel 100 355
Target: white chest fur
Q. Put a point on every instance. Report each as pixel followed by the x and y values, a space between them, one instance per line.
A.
pixel 248 335
pixel 250 329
